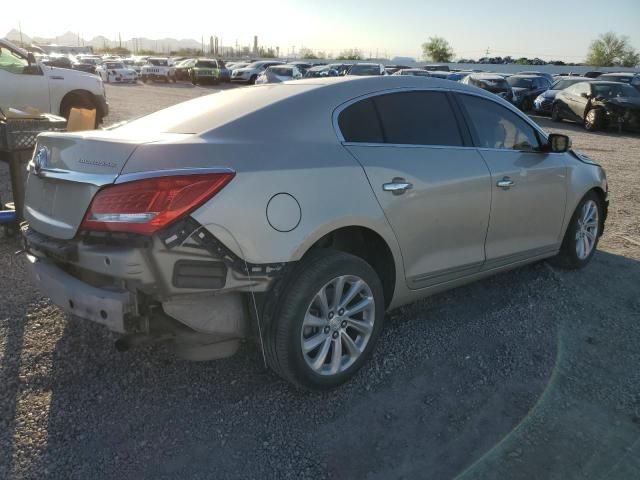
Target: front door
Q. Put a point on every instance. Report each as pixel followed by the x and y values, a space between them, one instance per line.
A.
pixel 22 85
pixel 435 191
pixel 528 185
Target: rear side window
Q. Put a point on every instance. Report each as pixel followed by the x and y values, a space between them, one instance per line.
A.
pixel 418 118
pixel 359 123
pixel 497 127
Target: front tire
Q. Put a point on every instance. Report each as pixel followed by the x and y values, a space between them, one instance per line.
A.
pixel 252 80
pixel 556 116
pixel 323 320
pixel 583 233
pixel 594 120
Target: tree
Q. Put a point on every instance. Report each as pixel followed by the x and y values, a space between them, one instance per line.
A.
pixel 351 54
pixel 307 54
pixel 610 50
pixel 437 49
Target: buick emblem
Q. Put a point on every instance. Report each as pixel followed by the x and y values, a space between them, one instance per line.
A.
pixel 40 160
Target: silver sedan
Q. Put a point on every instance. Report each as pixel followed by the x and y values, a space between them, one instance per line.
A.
pixel 227 217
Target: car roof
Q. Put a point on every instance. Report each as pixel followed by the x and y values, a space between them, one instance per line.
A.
pixel 486 76
pixel 619 74
pixel 234 112
pixel 367 64
pixel 574 77
pixel 607 82
pixel 524 75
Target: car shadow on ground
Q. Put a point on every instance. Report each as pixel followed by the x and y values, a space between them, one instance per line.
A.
pixel 490 377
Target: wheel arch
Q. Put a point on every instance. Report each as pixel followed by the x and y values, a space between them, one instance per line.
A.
pixel 367 244
pixel 85 94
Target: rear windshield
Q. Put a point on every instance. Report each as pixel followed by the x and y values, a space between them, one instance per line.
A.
pixel 562 84
pixel 158 62
pixel 112 65
pixel 490 83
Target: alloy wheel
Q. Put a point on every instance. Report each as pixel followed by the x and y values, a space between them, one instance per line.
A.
pixel 587 231
pixel 338 325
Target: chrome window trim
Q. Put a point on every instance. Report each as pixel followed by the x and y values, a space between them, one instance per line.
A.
pixel 131 177
pixel 406 145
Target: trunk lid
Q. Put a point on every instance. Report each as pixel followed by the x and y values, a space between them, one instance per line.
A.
pixel 66 172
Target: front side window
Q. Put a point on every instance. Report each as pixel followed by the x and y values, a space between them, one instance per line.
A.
pixel 12 61
pixel 497 127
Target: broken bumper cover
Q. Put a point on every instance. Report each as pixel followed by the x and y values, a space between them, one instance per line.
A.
pixel 106 307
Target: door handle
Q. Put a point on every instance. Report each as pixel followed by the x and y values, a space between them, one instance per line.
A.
pixel 397 186
pixel 505 183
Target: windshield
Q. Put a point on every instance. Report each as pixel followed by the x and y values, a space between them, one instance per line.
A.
pixel 206 64
pixel 497 84
pixel 611 90
pixel 158 62
pixel 281 71
pixel 113 65
pixel 416 73
pixel 520 82
pixel 562 84
pixel 616 78
pixel 365 70
pixel 255 65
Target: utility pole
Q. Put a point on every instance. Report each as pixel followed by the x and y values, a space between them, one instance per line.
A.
pixel 119 40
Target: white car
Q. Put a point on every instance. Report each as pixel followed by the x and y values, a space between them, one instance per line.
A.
pixel 25 82
pixel 158 69
pixel 116 72
pixel 279 73
pixel 251 72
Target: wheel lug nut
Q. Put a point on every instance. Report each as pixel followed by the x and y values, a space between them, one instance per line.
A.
pixel 344 324
pixel 326 329
pixel 330 315
pixel 341 312
pixel 335 335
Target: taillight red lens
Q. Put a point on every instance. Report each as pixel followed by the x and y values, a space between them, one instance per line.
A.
pixel 146 206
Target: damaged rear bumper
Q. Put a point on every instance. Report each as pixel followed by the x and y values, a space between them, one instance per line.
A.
pixel 108 307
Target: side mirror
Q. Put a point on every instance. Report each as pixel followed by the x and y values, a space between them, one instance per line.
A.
pixel 31 59
pixel 558 143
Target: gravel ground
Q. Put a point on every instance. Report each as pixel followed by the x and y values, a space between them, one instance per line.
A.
pixel 529 374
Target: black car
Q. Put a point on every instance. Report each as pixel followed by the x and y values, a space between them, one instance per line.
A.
pixel 83 66
pixel 526 88
pixel 391 69
pixel 59 61
pixel 599 104
pixel 593 74
pixel 632 79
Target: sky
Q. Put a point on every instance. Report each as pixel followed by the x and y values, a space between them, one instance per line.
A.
pixel 560 29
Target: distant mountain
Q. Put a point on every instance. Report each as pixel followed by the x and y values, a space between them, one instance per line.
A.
pixel 72 39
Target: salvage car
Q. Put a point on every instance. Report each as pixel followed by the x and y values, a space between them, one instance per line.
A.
pixel 491 82
pixel 226 215
pixel 205 70
pixel 278 74
pixel 543 102
pixel 116 72
pixel 250 73
pixel 598 105
pixel 321 71
pixel 526 88
pixel 24 82
pixel 161 69
pixel 630 78
pixel 182 68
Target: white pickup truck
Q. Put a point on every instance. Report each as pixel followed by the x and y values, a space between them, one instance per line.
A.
pixel 24 82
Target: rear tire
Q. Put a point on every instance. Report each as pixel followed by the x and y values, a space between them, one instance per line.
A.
pixel 294 317
pixel 583 233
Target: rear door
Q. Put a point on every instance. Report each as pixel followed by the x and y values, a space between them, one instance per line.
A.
pixel 576 102
pixel 434 189
pixel 528 185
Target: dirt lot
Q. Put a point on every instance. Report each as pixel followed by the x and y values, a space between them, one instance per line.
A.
pixel 530 374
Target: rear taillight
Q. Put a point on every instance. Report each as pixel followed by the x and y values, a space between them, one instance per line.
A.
pixel 146 206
